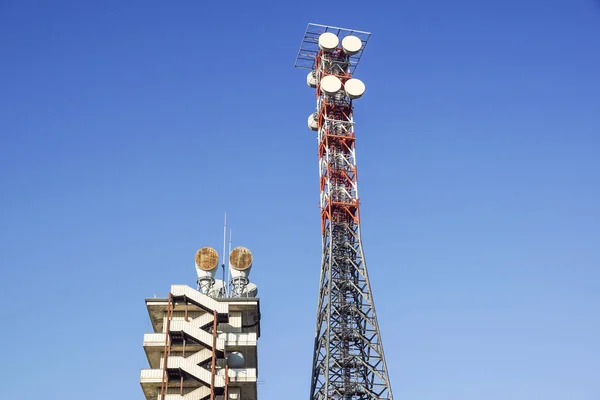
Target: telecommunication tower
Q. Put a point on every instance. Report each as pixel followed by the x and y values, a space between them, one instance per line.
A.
pixel 348 361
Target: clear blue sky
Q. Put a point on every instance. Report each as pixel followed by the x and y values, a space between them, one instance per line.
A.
pixel 127 128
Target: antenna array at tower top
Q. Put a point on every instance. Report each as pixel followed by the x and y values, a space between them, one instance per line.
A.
pixel 309 48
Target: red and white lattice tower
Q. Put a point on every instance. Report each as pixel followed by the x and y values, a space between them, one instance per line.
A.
pixel 348 362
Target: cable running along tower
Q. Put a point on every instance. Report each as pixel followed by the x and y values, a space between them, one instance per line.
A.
pixel 348 362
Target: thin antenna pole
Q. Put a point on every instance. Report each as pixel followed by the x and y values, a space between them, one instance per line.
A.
pixel 229 253
pixel 224 249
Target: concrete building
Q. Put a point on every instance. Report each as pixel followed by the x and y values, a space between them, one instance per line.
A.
pixel 203 345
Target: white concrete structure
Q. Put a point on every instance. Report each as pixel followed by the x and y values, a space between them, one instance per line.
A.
pixel 196 353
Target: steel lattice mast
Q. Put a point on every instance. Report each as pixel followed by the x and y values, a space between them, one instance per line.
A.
pixel 349 361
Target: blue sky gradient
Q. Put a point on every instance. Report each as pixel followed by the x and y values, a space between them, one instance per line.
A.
pixel 127 128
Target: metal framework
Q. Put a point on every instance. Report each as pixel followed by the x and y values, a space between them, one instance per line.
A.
pixel 309 48
pixel 349 361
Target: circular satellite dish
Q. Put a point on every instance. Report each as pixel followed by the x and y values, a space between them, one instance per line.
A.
pixel 331 84
pixel 354 88
pixel 328 41
pixel 235 359
pixel 311 79
pixel 351 45
pixel 240 258
pixel 312 122
pixel 207 259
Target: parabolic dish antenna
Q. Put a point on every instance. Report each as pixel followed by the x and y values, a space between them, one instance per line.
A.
pixel 354 88
pixel 331 84
pixel 351 45
pixel 328 41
